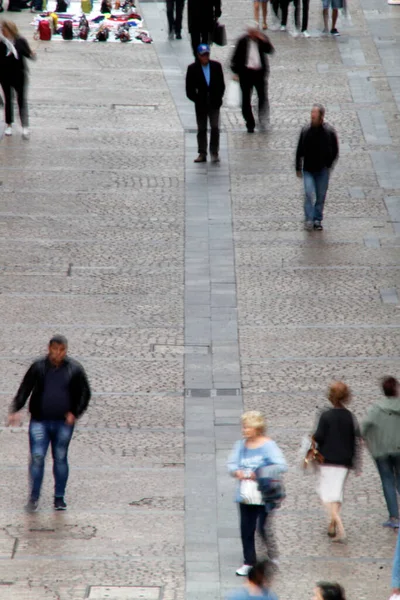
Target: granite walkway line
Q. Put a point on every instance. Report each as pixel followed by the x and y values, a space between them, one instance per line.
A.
pixel 213 401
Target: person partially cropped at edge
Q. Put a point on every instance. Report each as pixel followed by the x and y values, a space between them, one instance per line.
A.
pixel 249 454
pixel 316 155
pixel 59 393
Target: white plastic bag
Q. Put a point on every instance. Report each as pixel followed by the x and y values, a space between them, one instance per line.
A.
pixel 249 492
pixel 233 95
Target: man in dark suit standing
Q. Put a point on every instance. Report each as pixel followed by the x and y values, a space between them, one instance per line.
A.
pixel 205 86
pixel 250 64
pixel 202 15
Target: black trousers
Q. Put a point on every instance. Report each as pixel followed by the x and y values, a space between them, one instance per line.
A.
pixel 249 79
pixel 174 15
pixel 199 37
pixel 252 518
pixel 16 83
pixel 284 4
pixel 203 115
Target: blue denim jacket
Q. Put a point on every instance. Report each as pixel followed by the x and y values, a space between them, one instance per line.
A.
pixel 396 565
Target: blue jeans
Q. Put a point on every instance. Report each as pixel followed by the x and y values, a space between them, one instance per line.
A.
pixel 41 435
pixel 389 471
pixel 315 184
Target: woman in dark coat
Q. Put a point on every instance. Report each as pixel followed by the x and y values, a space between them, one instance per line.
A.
pixel 13 73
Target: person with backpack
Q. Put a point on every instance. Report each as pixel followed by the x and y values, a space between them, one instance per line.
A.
pixel 381 432
pixel 13 74
pixel 248 456
pixel 258 583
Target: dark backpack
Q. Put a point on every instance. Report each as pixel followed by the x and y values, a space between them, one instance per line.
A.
pixel 102 35
pixel 61 7
pixel 67 30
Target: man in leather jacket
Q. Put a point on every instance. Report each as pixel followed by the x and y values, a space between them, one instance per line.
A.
pixel 59 393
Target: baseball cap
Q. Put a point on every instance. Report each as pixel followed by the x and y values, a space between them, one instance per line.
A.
pixel 203 49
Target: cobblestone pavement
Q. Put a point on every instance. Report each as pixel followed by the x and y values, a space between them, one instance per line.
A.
pixel 168 278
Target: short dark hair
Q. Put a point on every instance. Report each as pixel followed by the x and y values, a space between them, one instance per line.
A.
pixel 58 339
pixel 262 571
pixel 390 386
pixel 331 591
pixel 321 109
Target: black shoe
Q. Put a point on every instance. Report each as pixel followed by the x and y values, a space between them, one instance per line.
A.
pixel 171 35
pixel 250 130
pixel 32 505
pixel 334 31
pixel 318 225
pixel 178 36
pixel 201 158
pixel 215 157
pixel 60 504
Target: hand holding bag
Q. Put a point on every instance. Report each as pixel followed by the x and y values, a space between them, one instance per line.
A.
pixel 311 457
pixel 233 96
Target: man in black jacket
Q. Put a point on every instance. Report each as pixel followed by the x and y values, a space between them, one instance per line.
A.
pixel 250 64
pixel 202 15
pixel 205 86
pixel 59 394
pixel 317 152
pixel 174 16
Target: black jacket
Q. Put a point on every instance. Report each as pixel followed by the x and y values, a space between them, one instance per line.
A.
pixel 9 65
pixel 318 148
pixel 33 383
pixel 239 58
pixel 197 89
pixel 336 436
pixel 202 14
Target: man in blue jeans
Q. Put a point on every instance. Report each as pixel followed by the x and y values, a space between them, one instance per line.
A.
pixel 317 152
pixel 59 393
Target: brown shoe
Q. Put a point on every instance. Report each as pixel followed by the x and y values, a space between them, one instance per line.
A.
pixel 201 158
pixel 215 157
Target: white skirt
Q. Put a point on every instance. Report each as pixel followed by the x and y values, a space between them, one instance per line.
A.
pixel 331 483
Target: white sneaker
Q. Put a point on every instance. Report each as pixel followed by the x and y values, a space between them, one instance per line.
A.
pixel 25 133
pixel 8 130
pixel 243 571
pixel 283 27
pixel 305 34
pixel 395 597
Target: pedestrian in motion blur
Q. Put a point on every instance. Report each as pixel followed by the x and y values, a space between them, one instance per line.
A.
pixel 205 86
pixel 329 591
pixel 317 152
pixel 174 16
pixel 381 432
pixel 250 64
pixel 13 73
pixel 337 437
pixel 263 5
pixel 202 16
pixel 258 583
pixel 59 393
pixel 249 454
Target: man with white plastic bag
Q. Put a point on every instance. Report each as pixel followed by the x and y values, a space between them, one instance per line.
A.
pixel 233 95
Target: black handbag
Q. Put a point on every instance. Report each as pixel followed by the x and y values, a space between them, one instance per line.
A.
pixel 219 34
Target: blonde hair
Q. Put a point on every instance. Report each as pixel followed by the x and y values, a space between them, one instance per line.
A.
pixel 338 393
pixel 255 419
pixel 11 26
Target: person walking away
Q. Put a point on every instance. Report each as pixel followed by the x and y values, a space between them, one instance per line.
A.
pixel 396 572
pixel 174 16
pixel 258 583
pixel 316 155
pixel 205 86
pixel 304 23
pixel 329 591
pixel 248 455
pixel 381 432
pixel 261 6
pixel 59 393
pixel 202 16
pixel 13 74
pixel 250 64
pixel 337 437
pixel 334 5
